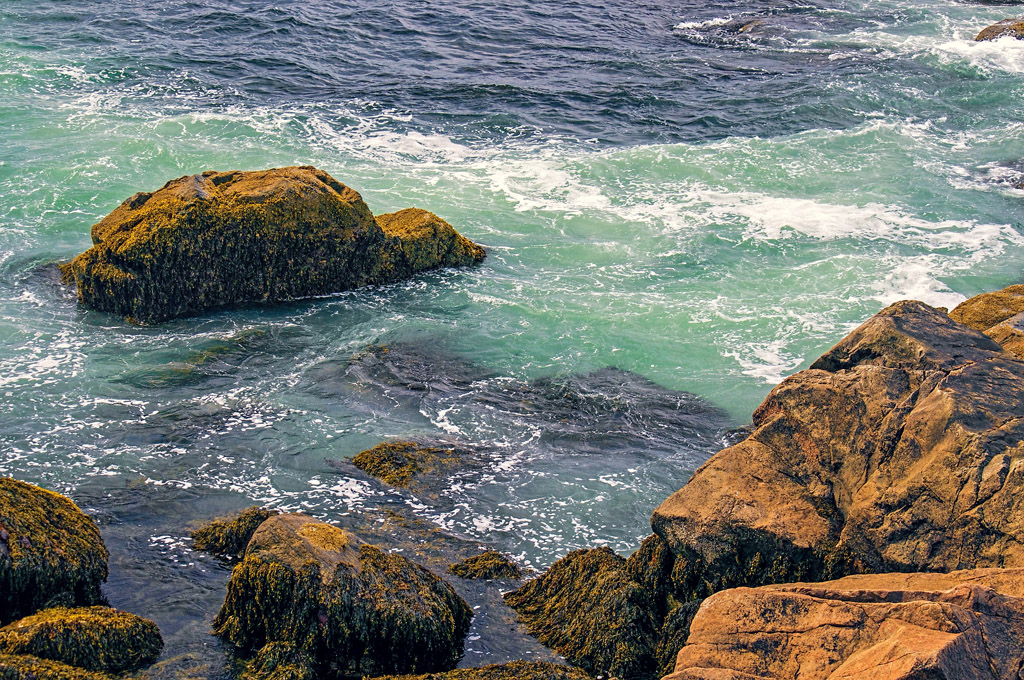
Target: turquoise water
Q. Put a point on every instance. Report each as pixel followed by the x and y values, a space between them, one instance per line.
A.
pixel 698 207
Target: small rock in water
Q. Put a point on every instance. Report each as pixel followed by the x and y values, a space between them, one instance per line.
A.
pixel 230 535
pixel 1007 27
pixel 489 565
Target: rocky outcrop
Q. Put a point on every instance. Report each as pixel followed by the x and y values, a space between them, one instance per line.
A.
pixel 966 625
pixel 515 670
pixel 999 315
pixel 220 239
pixel 350 608
pixel 899 449
pixel 94 638
pixel 488 565
pixel 230 535
pixel 590 609
pixel 51 553
pixel 1007 27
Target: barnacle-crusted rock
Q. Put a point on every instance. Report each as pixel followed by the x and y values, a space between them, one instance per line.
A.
pixel 230 535
pixel 589 609
pixel 218 239
pixel 1007 27
pixel 514 670
pixel 402 463
pixel 50 551
pixel 93 638
pixel 897 450
pixel 491 564
pixel 280 661
pixel 966 625
pixel 32 668
pixel 352 608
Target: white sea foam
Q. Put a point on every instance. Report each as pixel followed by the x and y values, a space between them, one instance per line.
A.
pixel 706 23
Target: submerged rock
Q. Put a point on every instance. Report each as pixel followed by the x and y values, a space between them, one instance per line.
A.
pixel 491 564
pixel 589 609
pixel 1007 27
pixel 352 608
pixel 514 670
pixel 896 450
pixel 93 638
pixel 219 239
pixel 958 626
pixel 32 668
pixel 230 535
pixel 51 553
pixel 410 465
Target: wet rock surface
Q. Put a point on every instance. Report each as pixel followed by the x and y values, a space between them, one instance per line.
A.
pixel 94 638
pixel 51 553
pixel 1013 28
pixel 488 565
pixel 220 239
pixel 354 609
pixel 967 625
pixel 897 449
pixel 230 535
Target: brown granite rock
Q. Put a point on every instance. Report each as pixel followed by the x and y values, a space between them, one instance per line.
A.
pixel 220 239
pixel 1006 27
pixel 900 449
pixel 966 625
pixel 1000 315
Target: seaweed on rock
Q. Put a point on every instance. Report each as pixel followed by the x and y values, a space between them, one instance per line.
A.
pixel 31 668
pixel 488 565
pixel 93 638
pixel 230 535
pixel 51 553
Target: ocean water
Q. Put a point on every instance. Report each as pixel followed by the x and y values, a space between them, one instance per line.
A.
pixel 682 205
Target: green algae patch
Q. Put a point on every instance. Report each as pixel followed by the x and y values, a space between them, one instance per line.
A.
pixel 32 668
pixel 514 670
pixel 222 239
pixel 50 552
pixel 491 564
pixel 230 535
pixel 589 609
pixel 352 608
pixel 280 661
pixel 93 638
pixel 401 463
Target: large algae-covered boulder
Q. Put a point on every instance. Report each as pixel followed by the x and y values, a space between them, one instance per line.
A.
pixel 1013 28
pixel 899 449
pixel 93 638
pixel 966 625
pixel 514 670
pixel 218 239
pixel 50 551
pixel 19 667
pixel 590 609
pixel 351 608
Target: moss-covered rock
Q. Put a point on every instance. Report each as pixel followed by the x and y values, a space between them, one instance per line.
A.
pixel 32 668
pixel 491 564
pixel 280 661
pixel 50 552
pixel 219 239
pixel 402 463
pixel 354 609
pixel 93 638
pixel 1013 28
pixel 230 535
pixel 589 609
pixel 514 670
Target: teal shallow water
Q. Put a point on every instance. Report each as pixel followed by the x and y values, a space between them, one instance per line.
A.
pixel 710 219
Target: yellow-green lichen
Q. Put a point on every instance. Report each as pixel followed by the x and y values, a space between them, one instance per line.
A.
pixel 93 638
pixel 50 551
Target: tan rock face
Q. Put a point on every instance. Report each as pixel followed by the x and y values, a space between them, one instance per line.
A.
pixel 1000 315
pixel 1006 27
pixel 219 239
pixel 964 625
pixel 899 449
